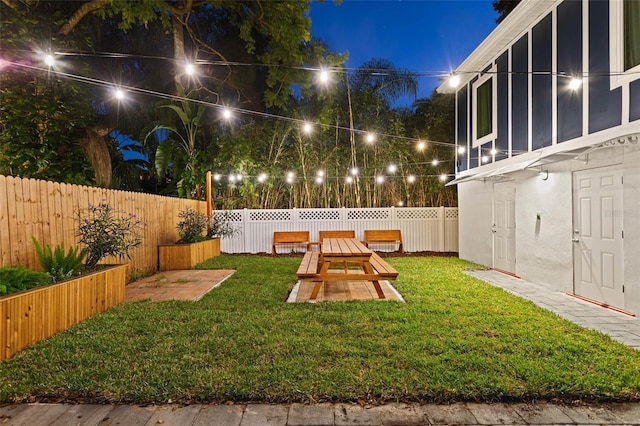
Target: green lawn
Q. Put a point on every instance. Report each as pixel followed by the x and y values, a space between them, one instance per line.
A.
pixel 456 338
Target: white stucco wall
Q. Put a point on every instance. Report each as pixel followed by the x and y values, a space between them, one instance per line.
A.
pixel 544 252
pixel 475 204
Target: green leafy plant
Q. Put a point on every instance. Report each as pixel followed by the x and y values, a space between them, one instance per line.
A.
pixel 60 264
pixel 192 226
pixel 220 226
pixel 107 234
pixel 18 278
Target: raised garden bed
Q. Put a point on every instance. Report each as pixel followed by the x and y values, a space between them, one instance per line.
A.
pixel 185 256
pixel 33 315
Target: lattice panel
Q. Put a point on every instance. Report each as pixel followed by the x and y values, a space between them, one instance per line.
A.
pixel 319 215
pixel 264 215
pixel 368 214
pixel 417 214
pixel 230 216
pixel 451 213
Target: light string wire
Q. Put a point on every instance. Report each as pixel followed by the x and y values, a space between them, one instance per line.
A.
pixel 220 107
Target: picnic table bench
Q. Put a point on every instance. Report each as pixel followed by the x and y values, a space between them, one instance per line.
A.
pixel 290 238
pixel 383 236
pixel 346 252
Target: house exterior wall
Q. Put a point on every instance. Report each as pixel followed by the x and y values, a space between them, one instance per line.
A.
pixel 538 117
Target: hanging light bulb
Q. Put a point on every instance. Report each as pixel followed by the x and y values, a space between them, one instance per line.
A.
pixel 227 114
pixel 462 149
pixel 354 171
pixel 575 83
pixel 119 94
pixel 319 180
pixel 348 179
pixel 370 138
pixel 189 69
pixel 411 178
pixel 421 145
pixel 49 60
pixel 217 177
pixel 262 177
pixel 443 177
pixel 380 179
pixel 493 151
pixel 392 168
pixel 435 162
pixel 307 127
pixel 454 80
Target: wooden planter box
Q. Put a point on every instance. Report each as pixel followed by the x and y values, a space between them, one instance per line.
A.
pixel 33 315
pixel 186 256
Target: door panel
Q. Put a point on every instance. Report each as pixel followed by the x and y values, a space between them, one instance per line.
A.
pixel 598 243
pixel 504 232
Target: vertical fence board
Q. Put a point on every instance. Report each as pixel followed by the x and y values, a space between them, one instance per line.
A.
pixel 5 236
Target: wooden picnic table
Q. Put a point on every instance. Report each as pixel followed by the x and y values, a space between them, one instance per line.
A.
pixel 346 253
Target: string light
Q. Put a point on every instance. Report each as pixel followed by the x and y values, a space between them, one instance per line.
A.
pixel 319 180
pixel 370 138
pixel 49 60
pixel 348 179
pixel 354 171
pixel 454 80
pixel 443 178
pixel 324 76
pixel 493 151
pixel 119 94
pixel 262 177
pixel 227 114
pixel 484 159
pixel 189 69
pixel 421 145
pixel 290 177
pixel 379 179
pixel 411 178
pixel 435 162
pixel 217 177
pixel 462 149
pixel 575 83
pixel 307 127
pixel 392 168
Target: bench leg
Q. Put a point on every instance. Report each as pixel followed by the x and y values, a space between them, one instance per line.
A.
pixel 316 290
pixel 376 284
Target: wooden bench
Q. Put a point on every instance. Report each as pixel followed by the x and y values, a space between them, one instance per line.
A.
pixel 335 234
pixel 382 236
pixel 290 238
pixel 309 265
pixel 382 268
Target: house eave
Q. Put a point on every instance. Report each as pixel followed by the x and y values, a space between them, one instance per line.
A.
pixel 513 26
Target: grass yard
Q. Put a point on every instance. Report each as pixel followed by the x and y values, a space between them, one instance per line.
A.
pixel 456 338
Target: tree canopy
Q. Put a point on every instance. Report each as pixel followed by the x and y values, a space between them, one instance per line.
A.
pixel 257 61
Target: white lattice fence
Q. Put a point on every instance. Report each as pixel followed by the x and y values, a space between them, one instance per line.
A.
pixel 423 229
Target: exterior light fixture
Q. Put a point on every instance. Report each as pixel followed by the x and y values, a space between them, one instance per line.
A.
pixel 462 150
pixel 493 151
pixel 484 159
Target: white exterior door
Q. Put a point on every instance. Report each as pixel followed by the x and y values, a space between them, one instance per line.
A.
pixel 597 236
pixel 504 227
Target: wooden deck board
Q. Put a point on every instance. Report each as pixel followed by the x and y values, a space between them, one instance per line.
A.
pixel 345 291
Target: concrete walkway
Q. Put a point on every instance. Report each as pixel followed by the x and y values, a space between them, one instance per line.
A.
pixel 320 415
pixel 621 327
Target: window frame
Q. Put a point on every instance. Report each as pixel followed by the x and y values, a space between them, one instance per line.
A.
pixel 488 76
pixel 619 77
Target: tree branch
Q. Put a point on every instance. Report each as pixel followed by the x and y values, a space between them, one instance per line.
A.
pixel 83 11
pixel 11 4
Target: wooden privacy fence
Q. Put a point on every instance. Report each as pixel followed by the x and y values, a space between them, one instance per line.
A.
pixel 49 212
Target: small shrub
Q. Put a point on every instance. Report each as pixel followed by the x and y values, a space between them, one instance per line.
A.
pixel 17 278
pixel 191 226
pixel 58 263
pixel 106 234
pixel 220 226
